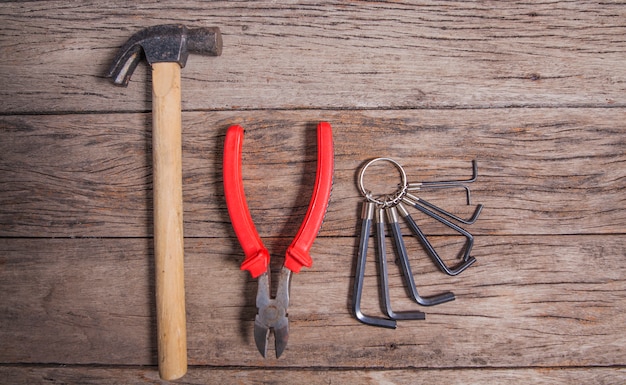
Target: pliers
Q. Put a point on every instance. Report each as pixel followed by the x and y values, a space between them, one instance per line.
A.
pixel 272 313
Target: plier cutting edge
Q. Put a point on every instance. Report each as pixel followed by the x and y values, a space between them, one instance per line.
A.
pixel 272 313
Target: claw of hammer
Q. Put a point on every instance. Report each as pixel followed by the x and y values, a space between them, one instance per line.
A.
pixel 163 43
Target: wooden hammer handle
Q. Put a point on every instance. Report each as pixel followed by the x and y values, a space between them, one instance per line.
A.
pixel 168 220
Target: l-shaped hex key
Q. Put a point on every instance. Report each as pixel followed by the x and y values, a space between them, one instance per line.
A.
pixel 366 223
pixel 384 278
pixel 392 216
pixel 467 260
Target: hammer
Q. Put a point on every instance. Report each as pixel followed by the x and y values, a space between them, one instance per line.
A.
pixel 166 48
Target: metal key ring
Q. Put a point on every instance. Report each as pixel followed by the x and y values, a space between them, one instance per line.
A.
pixel 392 199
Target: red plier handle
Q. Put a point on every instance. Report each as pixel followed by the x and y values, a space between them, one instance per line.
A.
pixel 297 255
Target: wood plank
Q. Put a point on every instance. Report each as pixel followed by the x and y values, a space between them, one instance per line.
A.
pixel 206 375
pixel 541 171
pixel 549 301
pixel 431 84
pixel 305 54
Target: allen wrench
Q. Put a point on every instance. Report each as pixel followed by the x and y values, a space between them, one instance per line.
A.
pixel 367 215
pixel 424 206
pixel 467 260
pixel 383 205
pixel 384 278
pixel 392 216
pixel 448 184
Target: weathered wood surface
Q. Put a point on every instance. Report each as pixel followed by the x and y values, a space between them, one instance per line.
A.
pixel 201 376
pixel 534 92
pixel 541 171
pixel 547 301
pixel 324 55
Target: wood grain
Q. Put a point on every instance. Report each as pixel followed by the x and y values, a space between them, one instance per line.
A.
pixel 168 220
pixel 541 171
pixel 304 54
pixel 535 92
pixel 546 301
pixel 204 375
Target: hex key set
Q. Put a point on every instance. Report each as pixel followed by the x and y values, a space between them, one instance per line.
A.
pixel 386 209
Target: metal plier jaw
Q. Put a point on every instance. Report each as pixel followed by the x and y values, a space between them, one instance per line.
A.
pixel 272 313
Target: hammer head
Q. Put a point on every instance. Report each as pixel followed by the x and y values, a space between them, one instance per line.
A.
pixel 163 43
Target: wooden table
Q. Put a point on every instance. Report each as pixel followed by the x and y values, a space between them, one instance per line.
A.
pixel 536 93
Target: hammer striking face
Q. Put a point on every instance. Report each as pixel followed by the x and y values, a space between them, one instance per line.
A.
pixel 163 43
